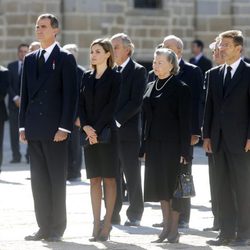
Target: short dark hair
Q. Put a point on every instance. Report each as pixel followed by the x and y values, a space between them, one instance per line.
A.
pixel 236 35
pixel 53 19
pixel 22 45
pixel 199 43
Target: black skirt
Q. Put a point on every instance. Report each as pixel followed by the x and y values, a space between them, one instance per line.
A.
pixel 161 170
pixel 101 160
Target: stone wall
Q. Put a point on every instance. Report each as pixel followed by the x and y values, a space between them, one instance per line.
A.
pixel 82 21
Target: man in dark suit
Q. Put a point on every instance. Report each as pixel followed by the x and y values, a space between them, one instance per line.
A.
pixel 192 76
pixel 199 59
pixel 4 84
pixel 226 133
pixel 15 69
pixel 75 149
pixel 49 95
pixel 128 122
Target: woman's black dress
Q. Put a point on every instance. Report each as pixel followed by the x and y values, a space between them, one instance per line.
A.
pixel 98 101
pixel 167 114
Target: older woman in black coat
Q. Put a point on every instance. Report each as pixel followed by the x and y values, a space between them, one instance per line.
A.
pixel 167 135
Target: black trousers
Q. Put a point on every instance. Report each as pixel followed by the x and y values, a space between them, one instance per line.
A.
pixel 75 154
pixel 48 164
pixel 1 142
pixel 213 189
pixel 14 133
pixel 232 177
pixel 184 205
pixel 130 166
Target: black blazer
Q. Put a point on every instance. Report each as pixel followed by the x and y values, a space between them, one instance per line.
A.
pixel 4 84
pixel 134 78
pixel 49 101
pixel 98 103
pixel 229 114
pixel 14 86
pixel 170 120
pixel 204 63
pixel 192 76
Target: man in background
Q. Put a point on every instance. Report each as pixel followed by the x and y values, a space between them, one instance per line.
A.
pixel 199 58
pixel 15 70
pixel 75 149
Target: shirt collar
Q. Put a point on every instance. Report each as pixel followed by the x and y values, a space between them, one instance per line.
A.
pixel 48 51
pixel 198 57
pixel 124 64
pixel 234 66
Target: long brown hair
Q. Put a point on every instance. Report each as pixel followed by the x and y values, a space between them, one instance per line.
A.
pixel 107 46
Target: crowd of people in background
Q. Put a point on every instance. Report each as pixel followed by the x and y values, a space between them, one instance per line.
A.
pixel 117 113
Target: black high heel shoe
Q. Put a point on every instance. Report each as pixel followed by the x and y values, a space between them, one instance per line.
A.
pixel 95 237
pixel 174 239
pixel 104 237
pixel 161 238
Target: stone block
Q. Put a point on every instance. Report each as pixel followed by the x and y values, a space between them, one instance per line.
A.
pixel 11 7
pixel 20 19
pixel 154 33
pixel 95 22
pixel 140 32
pixel 242 20
pixel 120 20
pixel 220 24
pixel 114 8
pixel 76 22
pixel 15 31
pixel 89 6
pixel 201 24
pixel 148 44
pixel 85 39
pixel 208 7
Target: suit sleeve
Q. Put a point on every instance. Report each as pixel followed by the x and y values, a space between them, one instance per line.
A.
pixel 4 84
pixel 12 92
pixel 70 92
pixel 196 100
pixel 185 117
pixel 108 111
pixel 133 106
pixel 24 96
pixel 208 112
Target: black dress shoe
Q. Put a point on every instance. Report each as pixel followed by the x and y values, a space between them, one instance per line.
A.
pixel 15 161
pixel 53 238
pixel 220 242
pixel 240 242
pixel 36 236
pixel 132 223
pixel 158 224
pixel 207 229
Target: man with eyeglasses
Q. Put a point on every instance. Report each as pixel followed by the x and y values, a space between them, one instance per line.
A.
pixel 226 133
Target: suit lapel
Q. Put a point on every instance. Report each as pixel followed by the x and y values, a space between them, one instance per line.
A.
pixel 49 67
pixel 126 71
pixel 236 78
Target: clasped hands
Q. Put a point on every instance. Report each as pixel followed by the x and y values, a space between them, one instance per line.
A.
pixel 59 136
pixel 91 134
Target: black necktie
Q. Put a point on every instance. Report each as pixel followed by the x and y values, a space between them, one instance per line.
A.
pixel 227 79
pixel 41 61
pixel 119 68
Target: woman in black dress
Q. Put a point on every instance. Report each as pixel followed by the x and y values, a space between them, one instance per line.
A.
pixel 98 99
pixel 167 135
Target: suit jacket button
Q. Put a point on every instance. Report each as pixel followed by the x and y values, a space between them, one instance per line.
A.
pixel 41 102
pixel 40 113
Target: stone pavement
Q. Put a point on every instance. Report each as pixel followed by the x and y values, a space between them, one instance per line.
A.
pixel 17 217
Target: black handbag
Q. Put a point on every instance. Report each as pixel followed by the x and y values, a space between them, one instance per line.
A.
pixel 185 186
pixel 103 137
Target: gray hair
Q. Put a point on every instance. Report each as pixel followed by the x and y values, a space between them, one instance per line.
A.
pixel 72 48
pixel 171 58
pixel 179 42
pixel 126 41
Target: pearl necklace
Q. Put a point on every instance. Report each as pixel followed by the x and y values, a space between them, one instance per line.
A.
pixel 158 89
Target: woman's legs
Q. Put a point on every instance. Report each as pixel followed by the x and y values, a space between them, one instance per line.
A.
pixel 173 223
pixel 96 197
pixel 110 197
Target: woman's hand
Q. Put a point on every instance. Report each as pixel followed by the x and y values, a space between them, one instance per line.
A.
pixel 91 134
pixel 183 160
